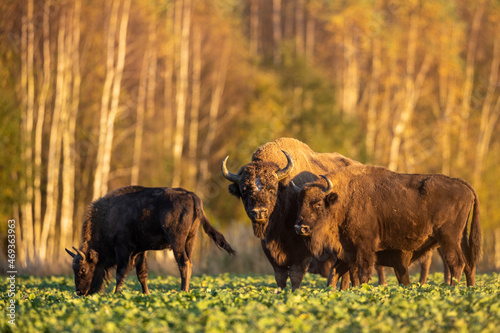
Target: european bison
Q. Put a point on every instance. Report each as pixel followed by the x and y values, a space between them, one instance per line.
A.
pixel 365 209
pixel 122 226
pixel 271 204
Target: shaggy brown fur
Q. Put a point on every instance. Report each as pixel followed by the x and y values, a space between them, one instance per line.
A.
pixel 122 226
pixel 370 209
pixel 271 204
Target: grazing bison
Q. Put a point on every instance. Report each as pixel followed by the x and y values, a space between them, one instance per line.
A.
pixel 271 204
pixel 122 226
pixel 365 209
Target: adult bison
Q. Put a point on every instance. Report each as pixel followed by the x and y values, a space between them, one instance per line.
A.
pixel 365 209
pixel 271 204
pixel 122 226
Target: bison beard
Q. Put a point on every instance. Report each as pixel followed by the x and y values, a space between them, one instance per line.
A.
pixel 259 229
pixel 121 227
pixel 373 210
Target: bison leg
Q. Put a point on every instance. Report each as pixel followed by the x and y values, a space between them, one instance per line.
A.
pixel 425 264
pixel 402 275
pixel 365 262
pixel 345 281
pixel 401 262
pixel 381 275
pixel 141 269
pixel 470 267
pixel 446 270
pixel 280 272
pixel 280 275
pixel 123 265
pixel 454 259
pixel 297 273
pixel 339 270
pixel 353 273
pixel 185 267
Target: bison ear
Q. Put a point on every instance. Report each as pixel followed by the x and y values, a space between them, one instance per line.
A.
pixel 234 189
pixel 331 198
pixel 93 256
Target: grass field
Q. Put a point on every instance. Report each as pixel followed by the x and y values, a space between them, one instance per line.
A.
pixel 242 303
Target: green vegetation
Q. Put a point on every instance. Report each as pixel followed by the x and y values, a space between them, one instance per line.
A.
pixel 243 303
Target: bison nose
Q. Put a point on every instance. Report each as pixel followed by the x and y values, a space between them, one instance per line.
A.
pixel 259 213
pixel 303 230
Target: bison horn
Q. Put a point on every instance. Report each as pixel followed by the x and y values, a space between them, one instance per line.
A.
pixel 228 175
pixel 71 253
pixel 295 187
pixel 283 173
pixel 80 253
pixel 329 183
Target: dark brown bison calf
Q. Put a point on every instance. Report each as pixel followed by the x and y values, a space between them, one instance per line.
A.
pixel 365 209
pixel 121 227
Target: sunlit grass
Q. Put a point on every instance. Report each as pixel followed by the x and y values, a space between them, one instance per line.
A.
pixel 247 303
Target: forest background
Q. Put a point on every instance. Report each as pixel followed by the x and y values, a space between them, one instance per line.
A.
pixel 96 95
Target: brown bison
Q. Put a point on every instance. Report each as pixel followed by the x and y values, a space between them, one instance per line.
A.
pixel 122 226
pixel 271 204
pixel 363 210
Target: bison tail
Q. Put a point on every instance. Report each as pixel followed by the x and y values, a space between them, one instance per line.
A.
pixel 216 236
pixel 475 238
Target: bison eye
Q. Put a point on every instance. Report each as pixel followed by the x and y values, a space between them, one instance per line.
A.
pixel 318 205
pixel 83 271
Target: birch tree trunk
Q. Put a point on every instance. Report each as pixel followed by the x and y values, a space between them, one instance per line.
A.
pixel 254 26
pixel 195 107
pixel 371 124
pixel 168 86
pixel 310 38
pixel 106 96
pixel 277 33
pixel 488 118
pixel 54 155
pixel 447 123
pixel 151 92
pixel 214 111
pixel 351 72
pixel 413 86
pixel 69 131
pixel 448 98
pixel 299 27
pixel 468 84
pixel 139 125
pixel 28 93
pixel 40 119
pixel 115 97
pixel 181 94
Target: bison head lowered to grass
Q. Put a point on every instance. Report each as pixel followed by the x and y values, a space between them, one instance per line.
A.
pixel 122 226
pixel 366 209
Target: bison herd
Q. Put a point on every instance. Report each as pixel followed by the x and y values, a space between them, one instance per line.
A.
pixel 321 212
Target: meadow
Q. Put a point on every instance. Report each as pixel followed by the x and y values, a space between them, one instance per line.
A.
pixel 251 303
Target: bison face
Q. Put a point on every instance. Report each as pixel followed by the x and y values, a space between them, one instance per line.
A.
pixel 314 208
pixel 258 186
pixel 83 266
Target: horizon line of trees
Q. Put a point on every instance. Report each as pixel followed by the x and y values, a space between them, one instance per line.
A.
pixel 99 95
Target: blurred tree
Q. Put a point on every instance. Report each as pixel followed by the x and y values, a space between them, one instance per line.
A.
pixel 410 85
